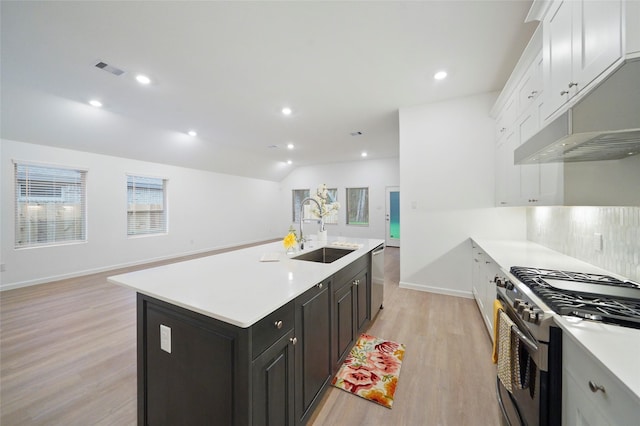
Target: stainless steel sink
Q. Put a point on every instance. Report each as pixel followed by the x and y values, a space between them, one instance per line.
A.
pixel 324 255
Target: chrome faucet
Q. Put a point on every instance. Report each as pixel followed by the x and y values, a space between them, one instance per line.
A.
pixel 302 219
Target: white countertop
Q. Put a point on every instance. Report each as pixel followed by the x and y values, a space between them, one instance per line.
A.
pixel 236 287
pixel 616 348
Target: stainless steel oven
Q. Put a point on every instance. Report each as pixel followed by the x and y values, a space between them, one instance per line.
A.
pixel 531 297
pixel 540 401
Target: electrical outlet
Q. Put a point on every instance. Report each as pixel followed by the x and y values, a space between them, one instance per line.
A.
pixel 597 241
pixel 165 338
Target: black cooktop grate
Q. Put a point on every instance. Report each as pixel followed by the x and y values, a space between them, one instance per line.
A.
pixel 597 307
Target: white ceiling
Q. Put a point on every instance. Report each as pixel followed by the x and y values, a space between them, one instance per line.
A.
pixel 226 69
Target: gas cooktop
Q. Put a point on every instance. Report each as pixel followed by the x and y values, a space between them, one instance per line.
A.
pixel 589 296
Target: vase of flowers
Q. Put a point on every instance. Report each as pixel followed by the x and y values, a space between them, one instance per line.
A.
pixel 328 207
pixel 290 241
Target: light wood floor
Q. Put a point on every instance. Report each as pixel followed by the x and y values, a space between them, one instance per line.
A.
pixel 68 357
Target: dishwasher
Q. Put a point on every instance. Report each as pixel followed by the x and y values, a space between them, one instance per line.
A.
pixel 377 280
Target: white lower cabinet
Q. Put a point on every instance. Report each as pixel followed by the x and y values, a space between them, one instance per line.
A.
pixel 591 395
pixel 483 283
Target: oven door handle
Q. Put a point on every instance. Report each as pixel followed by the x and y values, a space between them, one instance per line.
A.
pixel 524 339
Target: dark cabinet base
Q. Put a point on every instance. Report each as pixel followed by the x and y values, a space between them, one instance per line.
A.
pixel 183 386
pixel 272 373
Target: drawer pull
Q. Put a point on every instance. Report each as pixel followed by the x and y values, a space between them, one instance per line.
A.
pixel 293 340
pixel 278 324
pixel 595 388
pixel 319 285
pixel 356 282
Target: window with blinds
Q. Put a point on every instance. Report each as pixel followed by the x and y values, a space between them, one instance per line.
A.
pixel 50 205
pixel 358 206
pixel 146 205
pixel 298 196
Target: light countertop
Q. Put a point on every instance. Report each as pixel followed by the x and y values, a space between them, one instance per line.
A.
pixel 236 287
pixel 616 348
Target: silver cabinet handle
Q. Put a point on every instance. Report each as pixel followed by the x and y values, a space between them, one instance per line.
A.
pixel 564 92
pixel 487 262
pixel 278 324
pixel 356 282
pixel 532 95
pixel 595 388
pixel 293 340
pixel 319 285
pixel 572 84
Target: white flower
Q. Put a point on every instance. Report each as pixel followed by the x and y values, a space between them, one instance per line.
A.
pixel 327 206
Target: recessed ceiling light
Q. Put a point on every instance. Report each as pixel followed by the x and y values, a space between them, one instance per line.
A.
pixel 364 154
pixel 143 79
pixel 286 111
pixel 192 133
pixel 290 146
pixel 440 75
pixel 289 162
pixel 95 103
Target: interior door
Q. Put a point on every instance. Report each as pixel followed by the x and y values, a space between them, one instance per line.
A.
pixel 392 238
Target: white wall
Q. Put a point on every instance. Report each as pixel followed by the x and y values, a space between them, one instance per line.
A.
pixel 374 174
pixel 447 195
pixel 206 211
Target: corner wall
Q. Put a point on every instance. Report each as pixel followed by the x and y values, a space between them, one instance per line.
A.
pixel 206 211
pixel 447 196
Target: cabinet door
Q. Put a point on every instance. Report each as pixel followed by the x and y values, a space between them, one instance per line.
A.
pixel 557 55
pixel 344 322
pixel 597 39
pixel 529 173
pixel 313 349
pixel 530 88
pixel 181 383
pixel 363 293
pixel 507 173
pixel 578 410
pixel 273 384
pixel 506 118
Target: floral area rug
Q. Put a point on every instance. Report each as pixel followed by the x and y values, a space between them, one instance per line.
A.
pixel 371 370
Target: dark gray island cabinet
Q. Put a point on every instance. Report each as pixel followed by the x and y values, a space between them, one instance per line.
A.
pixel 196 370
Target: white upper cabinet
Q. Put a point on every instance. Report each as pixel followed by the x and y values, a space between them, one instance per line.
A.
pixel 506 119
pixel 530 88
pixel 581 40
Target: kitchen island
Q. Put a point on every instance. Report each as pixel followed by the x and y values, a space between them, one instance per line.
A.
pixel 251 336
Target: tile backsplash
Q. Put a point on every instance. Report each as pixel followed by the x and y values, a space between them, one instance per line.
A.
pixel 573 231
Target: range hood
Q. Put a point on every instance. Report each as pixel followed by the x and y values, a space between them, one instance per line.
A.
pixel 605 125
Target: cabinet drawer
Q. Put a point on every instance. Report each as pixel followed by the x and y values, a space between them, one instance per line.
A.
pixel 348 273
pixel 269 329
pixel 613 399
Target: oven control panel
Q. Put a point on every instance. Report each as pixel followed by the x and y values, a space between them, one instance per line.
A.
pixel 527 311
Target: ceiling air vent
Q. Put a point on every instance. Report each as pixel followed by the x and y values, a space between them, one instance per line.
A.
pixel 109 68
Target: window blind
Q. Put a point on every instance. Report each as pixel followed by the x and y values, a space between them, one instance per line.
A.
pixel 298 196
pixel 50 205
pixel 146 205
pixel 358 206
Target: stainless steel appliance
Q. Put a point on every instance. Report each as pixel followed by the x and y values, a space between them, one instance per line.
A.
pixel 531 296
pixel 377 280
pixel 592 129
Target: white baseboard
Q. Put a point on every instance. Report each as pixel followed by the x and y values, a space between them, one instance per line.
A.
pixel 20 284
pixel 438 290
